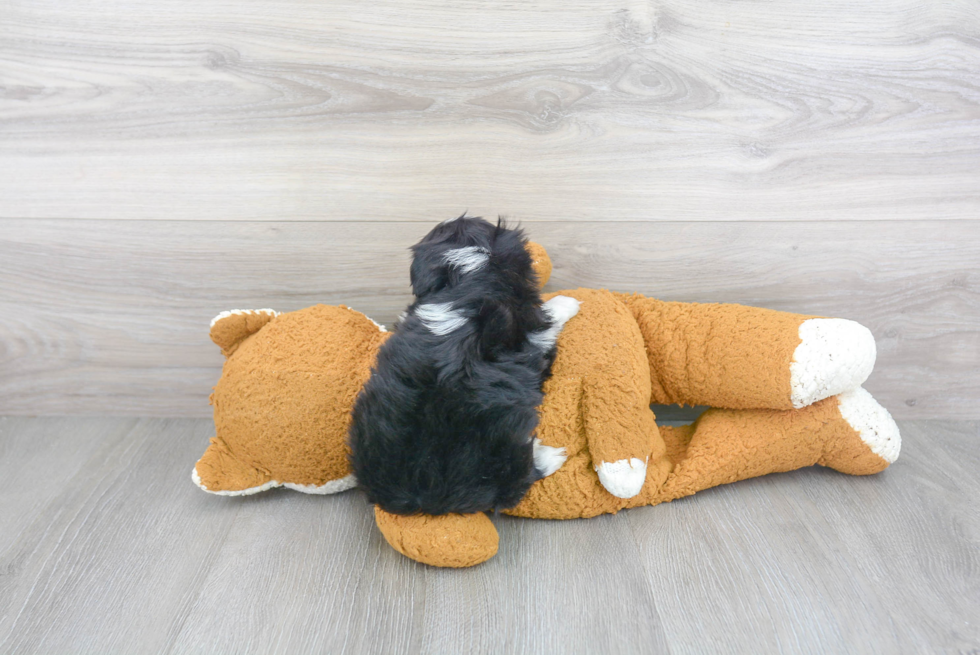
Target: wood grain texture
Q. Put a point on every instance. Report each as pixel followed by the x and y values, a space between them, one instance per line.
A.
pixel 116 551
pixel 110 317
pixel 579 110
pixel 882 564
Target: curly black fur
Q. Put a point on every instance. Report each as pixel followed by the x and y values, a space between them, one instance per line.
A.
pixel 445 423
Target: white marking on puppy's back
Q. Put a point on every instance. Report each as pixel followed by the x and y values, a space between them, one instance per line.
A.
pixel 468 259
pixel 440 318
pixel 560 309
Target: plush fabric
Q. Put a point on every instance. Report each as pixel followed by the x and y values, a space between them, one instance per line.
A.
pixel 282 408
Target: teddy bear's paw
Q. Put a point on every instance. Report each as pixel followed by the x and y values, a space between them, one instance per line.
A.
pixel 540 261
pixel 623 478
pixel 835 355
pixel 548 459
pixel 331 487
pixel 872 422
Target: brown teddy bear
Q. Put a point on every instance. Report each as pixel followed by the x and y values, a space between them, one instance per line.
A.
pixel 784 390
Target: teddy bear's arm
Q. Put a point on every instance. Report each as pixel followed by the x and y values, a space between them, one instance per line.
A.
pixel 602 349
pixel 621 433
pixel 449 540
pixel 740 357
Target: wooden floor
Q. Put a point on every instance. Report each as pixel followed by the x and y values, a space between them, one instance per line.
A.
pixel 107 546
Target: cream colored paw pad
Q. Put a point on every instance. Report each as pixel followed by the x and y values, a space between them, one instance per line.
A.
pixel 872 421
pixel 834 355
pixel 623 478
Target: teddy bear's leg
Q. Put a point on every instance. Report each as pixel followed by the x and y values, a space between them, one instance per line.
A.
pixel 745 357
pixel 230 328
pixel 450 540
pixel 220 472
pixel 850 433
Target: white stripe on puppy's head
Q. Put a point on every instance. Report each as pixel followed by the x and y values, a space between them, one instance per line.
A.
pixel 440 318
pixel 468 259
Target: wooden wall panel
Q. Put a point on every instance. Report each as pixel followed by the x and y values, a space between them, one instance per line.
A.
pixel 580 110
pixel 810 157
pixel 111 317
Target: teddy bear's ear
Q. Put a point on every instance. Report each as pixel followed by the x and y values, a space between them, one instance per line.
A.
pixel 540 261
pixel 220 472
pixel 229 329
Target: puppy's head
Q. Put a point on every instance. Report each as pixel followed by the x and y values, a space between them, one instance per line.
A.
pixel 461 246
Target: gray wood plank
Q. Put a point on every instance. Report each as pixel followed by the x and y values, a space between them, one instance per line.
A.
pixel 305 574
pixel 719 553
pixel 111 316
pixel 113 563
pixel 34 453
pixel 583 110
pixel 554 587
pixel 922 526
pixel 124 554
pixel 814 561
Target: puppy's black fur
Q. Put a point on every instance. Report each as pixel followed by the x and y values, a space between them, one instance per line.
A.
pixel 445 423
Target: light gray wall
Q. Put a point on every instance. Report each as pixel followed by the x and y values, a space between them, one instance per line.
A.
pixel 161 163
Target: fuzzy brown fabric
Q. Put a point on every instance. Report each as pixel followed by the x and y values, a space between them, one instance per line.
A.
pixel 451 540
pixel 728 445
pixel 282 406
pixel 231 330
pixel 282 409
pixel 540 261
pixel 685 342
pixel 723 446
pixel 597 407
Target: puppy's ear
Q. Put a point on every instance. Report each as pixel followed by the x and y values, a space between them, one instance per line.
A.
pixel 429 272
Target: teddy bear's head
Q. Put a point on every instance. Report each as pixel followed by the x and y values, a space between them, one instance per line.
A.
pixel 282 405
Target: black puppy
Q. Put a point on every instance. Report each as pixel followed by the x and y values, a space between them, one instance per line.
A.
pixel 446 422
